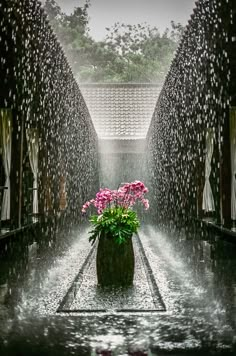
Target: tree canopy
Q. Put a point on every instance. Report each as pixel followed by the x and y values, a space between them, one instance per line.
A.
pixel 129 53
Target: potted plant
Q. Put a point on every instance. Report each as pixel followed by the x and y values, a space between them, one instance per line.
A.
pixel 114 225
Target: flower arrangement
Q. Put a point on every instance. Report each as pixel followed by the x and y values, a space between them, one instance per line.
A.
pixel 115 217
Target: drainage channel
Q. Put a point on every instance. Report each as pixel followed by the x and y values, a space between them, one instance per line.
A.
pixel 86 296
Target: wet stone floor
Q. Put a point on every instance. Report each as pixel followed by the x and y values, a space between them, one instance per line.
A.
pixel 195 279
pixel 86 296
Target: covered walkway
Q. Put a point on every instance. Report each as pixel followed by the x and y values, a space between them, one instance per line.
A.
pixel 60 142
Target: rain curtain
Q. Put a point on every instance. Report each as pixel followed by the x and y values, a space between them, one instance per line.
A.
pixel 208 200
pixel 63 202
pixel 233 161
pixel 33 149
pixel 6 141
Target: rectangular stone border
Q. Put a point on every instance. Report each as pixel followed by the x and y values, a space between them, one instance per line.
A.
pixel 71 294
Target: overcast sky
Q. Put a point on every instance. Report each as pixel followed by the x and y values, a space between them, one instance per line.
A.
pixel 159 13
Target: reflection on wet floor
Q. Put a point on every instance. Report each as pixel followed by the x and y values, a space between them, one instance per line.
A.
pixel 86 296
pixel 196 279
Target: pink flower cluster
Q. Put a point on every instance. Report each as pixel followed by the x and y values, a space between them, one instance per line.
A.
pixel 126 196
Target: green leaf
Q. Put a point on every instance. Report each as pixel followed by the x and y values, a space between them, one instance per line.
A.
pixel 117 221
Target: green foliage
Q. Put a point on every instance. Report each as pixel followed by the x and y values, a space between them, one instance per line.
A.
pixel 117 222
pixel 145 52
pixel 129 53
pixel 53 10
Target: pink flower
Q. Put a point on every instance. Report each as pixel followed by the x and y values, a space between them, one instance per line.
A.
pixel 145 203
pixel 126 196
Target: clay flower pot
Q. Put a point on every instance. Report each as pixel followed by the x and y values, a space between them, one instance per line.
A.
pixel 115 263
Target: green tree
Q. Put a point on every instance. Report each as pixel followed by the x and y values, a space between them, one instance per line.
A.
pixel 129 53
pixel 53 10
pixel 147 54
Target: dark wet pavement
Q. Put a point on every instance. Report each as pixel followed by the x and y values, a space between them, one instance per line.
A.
pixel 196 278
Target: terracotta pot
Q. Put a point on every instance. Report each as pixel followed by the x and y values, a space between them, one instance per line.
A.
pixel 115 263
